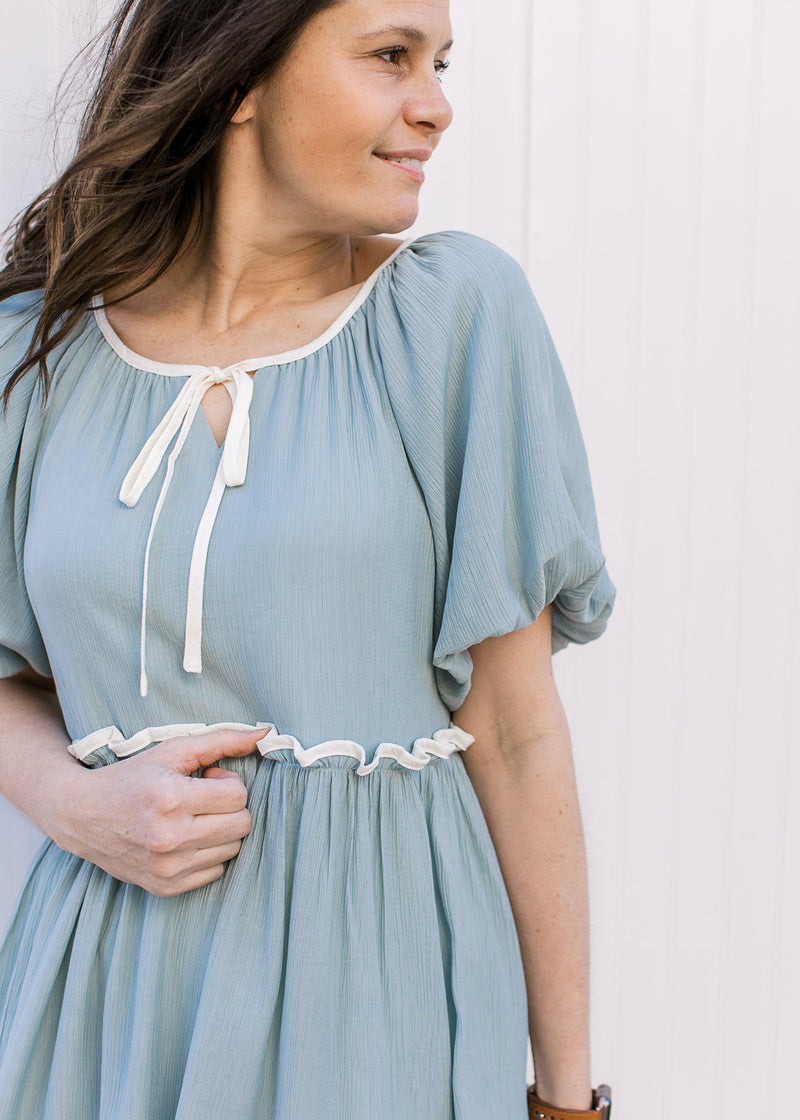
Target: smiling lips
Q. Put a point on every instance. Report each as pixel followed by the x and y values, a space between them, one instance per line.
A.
pixel 411 165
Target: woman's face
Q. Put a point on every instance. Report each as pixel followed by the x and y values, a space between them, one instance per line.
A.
pixel 351 91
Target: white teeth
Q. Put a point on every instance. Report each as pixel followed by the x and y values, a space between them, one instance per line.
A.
pixel 404 159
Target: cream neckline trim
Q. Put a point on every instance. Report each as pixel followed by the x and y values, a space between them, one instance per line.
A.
pixel 177 369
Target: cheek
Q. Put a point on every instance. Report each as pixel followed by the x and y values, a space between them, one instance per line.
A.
pixel 343 119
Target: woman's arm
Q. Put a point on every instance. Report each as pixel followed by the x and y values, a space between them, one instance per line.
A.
pixel 144 820
pixel 521 768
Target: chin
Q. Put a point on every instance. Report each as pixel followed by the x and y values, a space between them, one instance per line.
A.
pixel 391 220
pixel 401 224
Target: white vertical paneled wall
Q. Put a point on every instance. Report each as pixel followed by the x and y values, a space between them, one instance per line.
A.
pixel 641 159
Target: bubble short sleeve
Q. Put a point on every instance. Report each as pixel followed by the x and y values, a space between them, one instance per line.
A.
pixel 491 432
pixel 21 643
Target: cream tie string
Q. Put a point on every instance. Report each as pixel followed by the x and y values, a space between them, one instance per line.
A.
pixel 231 472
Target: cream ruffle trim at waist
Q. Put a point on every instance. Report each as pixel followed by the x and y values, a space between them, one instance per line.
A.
pixel 441 744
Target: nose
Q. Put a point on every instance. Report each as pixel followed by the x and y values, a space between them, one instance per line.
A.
pixel 429 106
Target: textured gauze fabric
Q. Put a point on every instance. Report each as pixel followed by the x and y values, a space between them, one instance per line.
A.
pixel 409 483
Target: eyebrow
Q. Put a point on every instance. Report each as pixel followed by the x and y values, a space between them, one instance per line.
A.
pixel 412 33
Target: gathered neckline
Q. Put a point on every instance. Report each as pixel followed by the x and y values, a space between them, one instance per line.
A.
pixel 182 369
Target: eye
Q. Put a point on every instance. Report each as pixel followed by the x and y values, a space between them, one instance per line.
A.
pixel 439 67
pixel 392 50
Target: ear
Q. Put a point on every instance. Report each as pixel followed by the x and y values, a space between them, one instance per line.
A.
pixel 246 110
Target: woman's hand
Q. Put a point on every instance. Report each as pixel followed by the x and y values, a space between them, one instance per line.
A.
pixel 144 820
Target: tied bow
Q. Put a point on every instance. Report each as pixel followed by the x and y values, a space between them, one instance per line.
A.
pixel 231 472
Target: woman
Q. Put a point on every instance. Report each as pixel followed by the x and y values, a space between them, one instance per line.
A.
pixel 276 633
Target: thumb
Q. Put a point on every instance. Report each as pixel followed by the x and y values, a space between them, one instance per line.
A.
pixel 189 753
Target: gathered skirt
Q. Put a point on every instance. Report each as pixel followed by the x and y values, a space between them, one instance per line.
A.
pixel 357 960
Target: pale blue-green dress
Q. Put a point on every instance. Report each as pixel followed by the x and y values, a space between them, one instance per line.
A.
pixel 409 483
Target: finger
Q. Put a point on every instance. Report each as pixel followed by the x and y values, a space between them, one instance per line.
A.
pixel 190 882
pixel 170 871
pixel 219 772
pixel 204 866
pixel 217 828
pixel 188 753
pixel 206 858
pixel 220 795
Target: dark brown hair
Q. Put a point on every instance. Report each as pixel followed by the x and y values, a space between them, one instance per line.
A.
pixel 172 73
